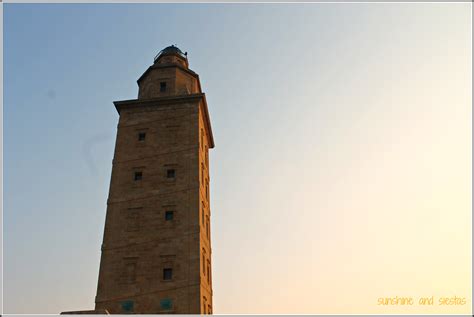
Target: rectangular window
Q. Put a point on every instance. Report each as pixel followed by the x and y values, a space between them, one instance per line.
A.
pixel 127 306
pixel 169 215
pixel 166 304
pixel 170 173
pixel 141 136
pixel 167 274
pixel 163 86
pixel 138 176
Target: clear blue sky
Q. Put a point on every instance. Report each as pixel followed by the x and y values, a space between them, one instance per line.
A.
pixel 328 119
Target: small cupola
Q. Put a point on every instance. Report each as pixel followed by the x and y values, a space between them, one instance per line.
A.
pixel 168 76
pixel 172 55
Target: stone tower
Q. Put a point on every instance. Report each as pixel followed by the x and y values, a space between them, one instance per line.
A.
pixel 156 251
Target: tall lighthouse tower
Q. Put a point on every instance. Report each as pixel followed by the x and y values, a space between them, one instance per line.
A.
pixel 156 251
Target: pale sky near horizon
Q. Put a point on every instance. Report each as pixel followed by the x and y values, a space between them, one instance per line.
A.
pixel 342 166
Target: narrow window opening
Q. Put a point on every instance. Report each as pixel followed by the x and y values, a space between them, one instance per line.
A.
pixel 167 274
pixel 141 136
pixel 171 173
pixel 166 304
pixel 138 176
pixel 127 306
pixel 169 215
pixel 163 86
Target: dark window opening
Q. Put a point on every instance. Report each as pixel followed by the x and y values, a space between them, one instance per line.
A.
pixel 141 136
pixel 138 176
pixel 127 306
pixel 167 274
pixel 166 303
pixel 169 215
pixel 171 173
pixel 162 86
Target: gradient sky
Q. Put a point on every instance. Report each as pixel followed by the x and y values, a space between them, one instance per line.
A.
pixel 342 166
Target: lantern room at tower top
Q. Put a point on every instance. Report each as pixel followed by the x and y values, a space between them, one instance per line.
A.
pixel 171 50
pixel 170 76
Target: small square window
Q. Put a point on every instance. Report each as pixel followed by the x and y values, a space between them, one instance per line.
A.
pixel 138 176
pixel 141 136
pixel 166 303
pixel 169 215
pixel 127 306
pixel 167 274
pixel 170 173
pixel 163 86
